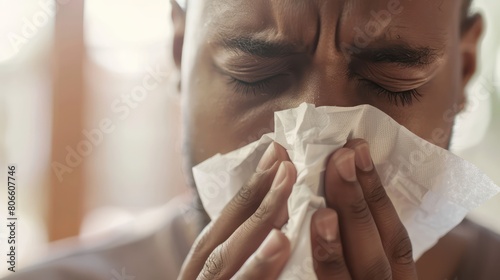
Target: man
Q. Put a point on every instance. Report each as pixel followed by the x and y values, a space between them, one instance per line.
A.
pixel 242 60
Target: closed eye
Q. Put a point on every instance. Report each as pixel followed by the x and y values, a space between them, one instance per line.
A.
pixel 268 87
pixel 403 98
pixel 262 87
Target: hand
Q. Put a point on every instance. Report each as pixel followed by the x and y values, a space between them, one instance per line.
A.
pixel 235 239
pixel 359 235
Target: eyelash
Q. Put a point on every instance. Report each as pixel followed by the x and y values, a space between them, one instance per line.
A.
pixel 406 97
pixel 255 88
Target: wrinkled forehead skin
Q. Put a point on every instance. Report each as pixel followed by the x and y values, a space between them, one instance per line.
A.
pixel 299 21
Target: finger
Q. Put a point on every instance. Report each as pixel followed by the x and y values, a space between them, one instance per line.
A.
pixel 329 262
pixel 241 206
pixel 269 260
pixel 393 234
pixel 228 257
pixel 363 249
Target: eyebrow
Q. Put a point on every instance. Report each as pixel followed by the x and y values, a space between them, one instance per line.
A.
pixel 261 48
pixel 404 55
pixel 399 54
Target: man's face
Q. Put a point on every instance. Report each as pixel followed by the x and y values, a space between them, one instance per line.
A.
pixel 245 59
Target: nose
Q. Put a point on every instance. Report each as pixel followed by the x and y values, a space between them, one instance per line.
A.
pixel 324 80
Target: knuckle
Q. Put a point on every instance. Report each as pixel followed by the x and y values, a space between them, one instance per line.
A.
pixel 214 265
pixel 262 214
pixel 372 181
pixel 401 248
pixel 252 193
pixel 257 186
pixel 377 195
pixel 360 211
pixel 379 270
pixel 244 196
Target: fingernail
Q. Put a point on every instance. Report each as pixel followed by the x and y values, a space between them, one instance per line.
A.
pixel 344 162
pixel 268 159
pixel 270 247
pixel 326 226
pixel 363 158
pixel 280 176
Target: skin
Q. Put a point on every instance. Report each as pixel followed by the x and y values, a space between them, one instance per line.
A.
pixel 233 80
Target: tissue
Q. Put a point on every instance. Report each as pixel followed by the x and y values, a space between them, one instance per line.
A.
pixel 431 188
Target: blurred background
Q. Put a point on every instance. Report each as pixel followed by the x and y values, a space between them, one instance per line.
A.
pixel 90 116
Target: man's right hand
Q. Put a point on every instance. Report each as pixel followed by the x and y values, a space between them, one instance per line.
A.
pixel 233 245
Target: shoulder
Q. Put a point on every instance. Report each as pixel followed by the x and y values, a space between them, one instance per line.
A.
pixel 469 251
pixel 480 260
pixel 153 247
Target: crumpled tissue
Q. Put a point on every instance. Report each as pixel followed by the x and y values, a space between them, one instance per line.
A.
pixel 431 188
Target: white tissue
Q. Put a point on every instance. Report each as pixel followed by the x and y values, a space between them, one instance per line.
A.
pixel 431 188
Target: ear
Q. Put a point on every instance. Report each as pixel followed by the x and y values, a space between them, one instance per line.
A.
pixel 472 29
pixel 179 23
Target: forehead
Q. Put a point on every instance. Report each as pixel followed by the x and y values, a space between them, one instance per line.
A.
pixel 300 21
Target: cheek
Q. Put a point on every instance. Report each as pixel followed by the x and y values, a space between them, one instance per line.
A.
pixel 433 118
pixel 215 130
